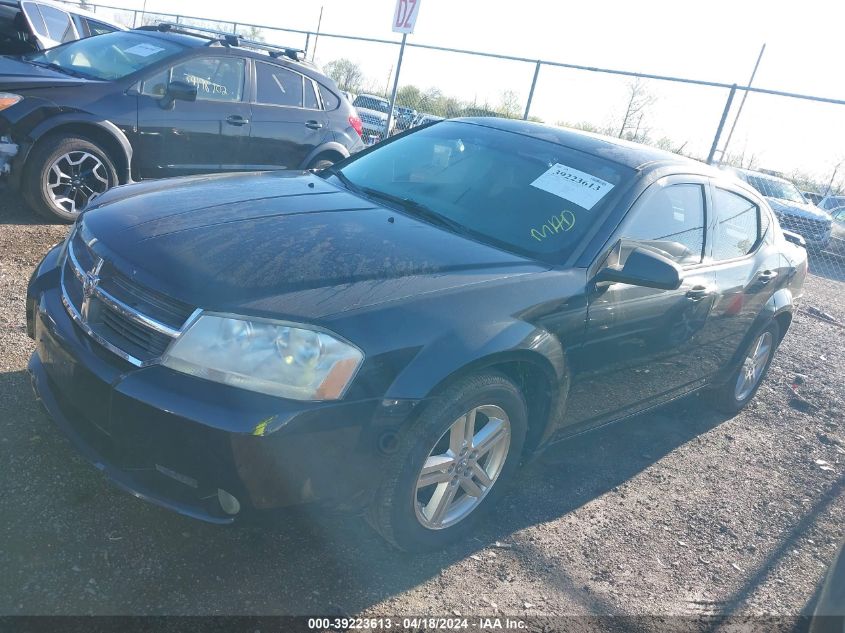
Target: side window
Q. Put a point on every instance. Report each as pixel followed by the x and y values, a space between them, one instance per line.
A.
pixel 216 78
pixel 330 100
pixel 98 28
pixel 737 225
pixel 58 23
pixel 278 86
pixel 34 16
pixel 670 221
pixel 310 98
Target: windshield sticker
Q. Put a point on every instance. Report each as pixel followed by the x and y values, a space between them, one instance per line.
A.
pixel 144 50
pixel 555 224
pixel 573 185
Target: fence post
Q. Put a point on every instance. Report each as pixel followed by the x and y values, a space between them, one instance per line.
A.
pixel 134 19
pixel 721 124
pixel 395 85
pixel 531 92
pixel 235 28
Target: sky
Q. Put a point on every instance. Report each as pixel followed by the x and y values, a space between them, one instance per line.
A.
pixel 717 40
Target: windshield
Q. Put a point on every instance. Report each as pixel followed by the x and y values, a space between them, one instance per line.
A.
pixel 109 56
pixel 526 195
pixel 371 103
pixel 776 189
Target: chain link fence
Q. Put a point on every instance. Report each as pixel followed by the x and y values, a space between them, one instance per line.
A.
pixel 686 116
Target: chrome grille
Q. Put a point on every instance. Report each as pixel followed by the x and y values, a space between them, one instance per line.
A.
pixel 135 322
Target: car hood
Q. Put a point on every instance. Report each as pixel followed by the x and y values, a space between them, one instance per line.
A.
pixel 284 244
pixel 16 74
pixel 802 210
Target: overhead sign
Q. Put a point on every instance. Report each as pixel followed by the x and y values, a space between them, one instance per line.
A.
pixel 405 15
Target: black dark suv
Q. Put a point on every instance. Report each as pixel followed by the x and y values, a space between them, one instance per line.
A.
pixel 160 101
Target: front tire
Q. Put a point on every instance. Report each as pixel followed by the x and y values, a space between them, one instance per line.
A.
pixel 63 174
pixel 452 465
pixel 743 384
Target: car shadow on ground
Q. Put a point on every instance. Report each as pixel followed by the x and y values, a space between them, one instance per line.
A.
pixel 13 210
pixel 107 552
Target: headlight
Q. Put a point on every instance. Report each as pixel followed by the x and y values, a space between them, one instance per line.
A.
pixel 7 99
pixel 266 356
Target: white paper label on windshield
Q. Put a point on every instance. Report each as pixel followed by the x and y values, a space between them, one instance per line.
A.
pixel 144 50
pixel 571 184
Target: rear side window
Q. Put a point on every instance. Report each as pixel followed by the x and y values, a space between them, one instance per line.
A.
pixel 278 86
pixel 737 225
pixel 59 26
pixel 330 100
pixel 310 99
pixel 670 221
pixel 98 28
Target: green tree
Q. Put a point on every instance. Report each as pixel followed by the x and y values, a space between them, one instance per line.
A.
pixel 346 74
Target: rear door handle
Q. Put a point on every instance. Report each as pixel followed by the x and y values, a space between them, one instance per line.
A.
pixel 697 293
pixel 236 119
pixel 314 125
pixel 767 275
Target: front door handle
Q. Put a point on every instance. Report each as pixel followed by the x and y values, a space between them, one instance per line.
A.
pixel 314 125
pixel 766 276
pixel 697 293
pixel 236 119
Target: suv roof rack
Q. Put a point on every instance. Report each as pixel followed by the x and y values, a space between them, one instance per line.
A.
pixel 228 39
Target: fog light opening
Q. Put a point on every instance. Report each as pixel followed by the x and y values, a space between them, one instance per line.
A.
pixel 388 442
pixel 228 503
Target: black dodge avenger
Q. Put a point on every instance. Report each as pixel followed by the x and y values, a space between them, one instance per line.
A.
pixel 392 336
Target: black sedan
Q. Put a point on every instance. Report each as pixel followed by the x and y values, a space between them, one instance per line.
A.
pixel 395 335
pixel 78 119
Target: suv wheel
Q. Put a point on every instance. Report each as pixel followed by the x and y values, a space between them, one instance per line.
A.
pixel 64 174
pixel 452 465
pixel 746 380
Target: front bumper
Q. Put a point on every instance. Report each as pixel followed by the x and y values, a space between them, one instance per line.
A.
pixel 175 440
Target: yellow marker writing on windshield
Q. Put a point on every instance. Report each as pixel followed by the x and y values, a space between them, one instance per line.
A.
pixel 555 224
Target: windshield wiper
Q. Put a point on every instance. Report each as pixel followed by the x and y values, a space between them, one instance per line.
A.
pixel 61 69
pixel 334 171
pixel 416 208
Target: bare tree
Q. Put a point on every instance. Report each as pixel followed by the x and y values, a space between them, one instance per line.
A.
pixel 639 100
pixel 510 105
pixel 346 74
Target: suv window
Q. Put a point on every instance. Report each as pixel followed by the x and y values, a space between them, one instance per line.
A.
pixel 310 99
pixel 737 225
pixel 59 26
pixel 330 100
pixel 278 86
pixel 98 28
pixel 216 78
pixel 670 221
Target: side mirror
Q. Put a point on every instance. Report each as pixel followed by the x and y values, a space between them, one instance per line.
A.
pixel 644 268
pixel 178 91
pixel 795 238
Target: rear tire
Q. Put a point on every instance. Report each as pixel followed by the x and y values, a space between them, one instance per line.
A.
pixel 741 387
pixel 63 174
pixel 405 507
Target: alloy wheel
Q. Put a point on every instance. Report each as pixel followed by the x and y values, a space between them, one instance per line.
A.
pixel 753 365
pixel 462 467
pixel 75 179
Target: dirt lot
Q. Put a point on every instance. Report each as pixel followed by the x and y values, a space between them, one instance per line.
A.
pixel 682 511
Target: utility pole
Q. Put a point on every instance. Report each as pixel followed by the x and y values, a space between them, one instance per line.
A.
pixel 742 103
pixel 317 34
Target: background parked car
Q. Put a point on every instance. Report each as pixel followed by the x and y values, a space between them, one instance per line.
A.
pixel 404 117
pixel 812 196
pixel 162 101
pixel 31 26
pixel 372 110
pixel 793 211
pixel 831 203
pixel 423 118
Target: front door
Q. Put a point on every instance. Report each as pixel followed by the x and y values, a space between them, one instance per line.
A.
pixel 287 118
pixel 644 344
pixel 203 136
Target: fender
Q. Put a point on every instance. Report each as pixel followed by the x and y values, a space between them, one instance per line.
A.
pixel 115 133
pixel 330 146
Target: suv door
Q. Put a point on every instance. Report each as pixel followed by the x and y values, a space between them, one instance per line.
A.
pixel 203 136
pixel 643 345
pixel 747 268
pixel 288 120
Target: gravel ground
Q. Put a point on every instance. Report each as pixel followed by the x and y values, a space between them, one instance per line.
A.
pixel 683 511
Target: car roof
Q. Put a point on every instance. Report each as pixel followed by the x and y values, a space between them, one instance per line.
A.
pixel 759 174
pixel 633 155
pixel 369 96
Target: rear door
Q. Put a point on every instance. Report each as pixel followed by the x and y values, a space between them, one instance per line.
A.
pixel 644 345
pixel 747 266
pixel 207 135
pixel 288 119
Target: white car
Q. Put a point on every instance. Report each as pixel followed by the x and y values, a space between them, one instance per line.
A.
pixel 372 110
pixel 27 25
